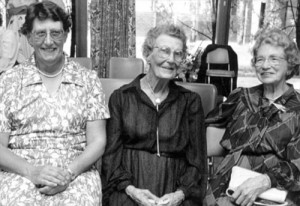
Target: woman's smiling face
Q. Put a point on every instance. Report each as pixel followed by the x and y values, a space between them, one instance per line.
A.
pixel 271 66
pixel 48 49
pixel 165 57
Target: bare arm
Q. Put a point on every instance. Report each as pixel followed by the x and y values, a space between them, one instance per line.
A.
pixel 9 161
pixel 46 175
pixel 96 141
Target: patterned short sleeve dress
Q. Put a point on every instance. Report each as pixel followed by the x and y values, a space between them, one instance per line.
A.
pixel 49 130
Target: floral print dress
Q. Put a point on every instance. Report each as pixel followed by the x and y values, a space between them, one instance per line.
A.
pixel 49 130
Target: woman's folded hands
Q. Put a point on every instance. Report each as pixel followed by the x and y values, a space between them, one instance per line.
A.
pixel 171 199
pixel 146 198
pixel 141 196
pixel 49 180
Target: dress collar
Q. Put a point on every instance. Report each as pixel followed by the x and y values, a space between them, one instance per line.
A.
pixel 135 86
pixel 71 73
pixel 253 97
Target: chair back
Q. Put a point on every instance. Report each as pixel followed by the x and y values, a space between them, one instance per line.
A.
pixel 207 92
pixel 109 85
pixel 83 61
pixel 125 68
pixel 218 56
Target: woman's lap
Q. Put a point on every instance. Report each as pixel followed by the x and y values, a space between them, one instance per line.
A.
pixel 158 175
pixel 16 190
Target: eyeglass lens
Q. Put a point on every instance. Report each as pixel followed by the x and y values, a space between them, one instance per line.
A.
pixel 165 52
pixel 55 35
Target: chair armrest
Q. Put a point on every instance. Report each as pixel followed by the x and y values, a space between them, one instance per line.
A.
pixel 213 138
pixel 220 73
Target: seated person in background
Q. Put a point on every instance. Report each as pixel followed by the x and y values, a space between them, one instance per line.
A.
pixel 15 46
pixel 262 126
pixel 156 145
pixel 8 47
pixel 52 120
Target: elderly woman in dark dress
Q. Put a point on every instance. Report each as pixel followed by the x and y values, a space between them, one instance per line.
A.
pixel 156 149
pixel 262 125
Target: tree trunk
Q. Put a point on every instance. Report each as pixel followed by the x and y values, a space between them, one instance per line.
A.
pixel 214 4
pixel 297 22
pixel 242 13
pixel 283 5
pixel 234 20
pixel 262 15
pixel 196 20
pixel 247 35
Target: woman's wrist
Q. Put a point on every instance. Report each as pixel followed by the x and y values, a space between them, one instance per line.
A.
pixel 180 194
pixel 71 173
pixel 29 172
pixel 129 190
pixel 268 181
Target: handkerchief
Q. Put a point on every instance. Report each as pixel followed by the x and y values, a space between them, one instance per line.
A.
pixel 239 175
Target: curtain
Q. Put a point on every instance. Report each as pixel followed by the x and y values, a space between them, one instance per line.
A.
pixel 112 32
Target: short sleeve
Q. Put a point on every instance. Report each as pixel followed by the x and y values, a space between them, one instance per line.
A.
pixel 9 49
pixel 4 123
pixel 8 85
pixel 97 107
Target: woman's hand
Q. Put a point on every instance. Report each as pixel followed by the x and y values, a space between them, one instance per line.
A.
pixel 246 193
pixel 49 176
pixel 47 190
pixel 141 196
pixel 171 199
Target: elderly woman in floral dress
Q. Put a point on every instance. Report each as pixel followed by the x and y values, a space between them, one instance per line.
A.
pixel 52 120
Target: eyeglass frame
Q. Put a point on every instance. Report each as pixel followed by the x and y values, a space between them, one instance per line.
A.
pixel 42 39
pixel 274 62
pixel 160 49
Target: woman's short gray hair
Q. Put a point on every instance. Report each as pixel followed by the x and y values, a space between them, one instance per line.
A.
pixel 167 29
pixel 279 38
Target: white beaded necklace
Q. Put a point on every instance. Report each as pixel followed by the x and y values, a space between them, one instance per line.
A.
pixel 157 99
pixel 50 75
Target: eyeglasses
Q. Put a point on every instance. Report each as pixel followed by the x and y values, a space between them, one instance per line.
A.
pixel 273 60
pixel 56 35
pixel 165 52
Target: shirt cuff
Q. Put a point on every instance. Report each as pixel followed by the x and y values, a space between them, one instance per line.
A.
pixel 185 192
pixel 123 185
pixel 273 179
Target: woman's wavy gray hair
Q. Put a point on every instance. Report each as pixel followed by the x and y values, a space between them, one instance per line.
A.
pixel 168 29
pixel 43 11
pixel 279 38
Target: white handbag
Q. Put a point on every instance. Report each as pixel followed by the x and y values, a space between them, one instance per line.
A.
pixel 239 175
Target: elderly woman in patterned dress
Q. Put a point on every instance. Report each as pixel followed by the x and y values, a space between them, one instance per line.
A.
pixel 262 126
pixel 52 120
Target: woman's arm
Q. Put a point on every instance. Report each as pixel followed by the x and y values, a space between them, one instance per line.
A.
pixel 47 175
pixel 286 172
pixel 114 175
pixel 96 141
pixel 193 182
